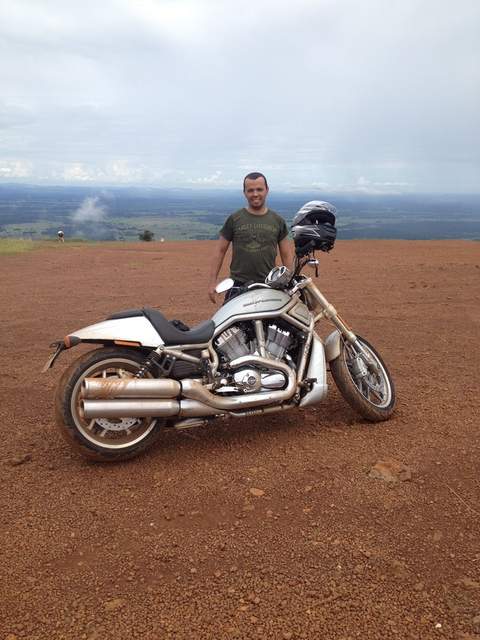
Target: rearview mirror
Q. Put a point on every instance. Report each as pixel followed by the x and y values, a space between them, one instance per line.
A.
pixel 224 285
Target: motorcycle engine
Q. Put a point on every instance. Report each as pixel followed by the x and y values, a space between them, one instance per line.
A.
pixel 240 340
pixel 235 342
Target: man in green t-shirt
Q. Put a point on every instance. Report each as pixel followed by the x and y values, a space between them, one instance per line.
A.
pixel 256 232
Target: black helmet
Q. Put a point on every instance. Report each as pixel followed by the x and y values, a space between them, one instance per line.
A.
pixel 313 227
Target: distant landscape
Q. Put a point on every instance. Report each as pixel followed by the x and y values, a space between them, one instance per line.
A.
pixel 38 212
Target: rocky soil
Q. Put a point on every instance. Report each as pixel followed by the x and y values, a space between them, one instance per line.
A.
pixel 261 528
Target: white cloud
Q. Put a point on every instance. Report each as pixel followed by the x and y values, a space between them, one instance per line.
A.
pixel 78 173
pixel 196 92
pixel 214 179
pixel 15 168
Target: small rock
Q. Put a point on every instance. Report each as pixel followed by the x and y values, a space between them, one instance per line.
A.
pixel 308 488
pixel 390 470
pixel 419 586
pixel 258 493
pixel 468 583
pixel 437 536
pixel 217 574
pixel 114 604
pixel 399 568
pixel 18 460
pixel 287 635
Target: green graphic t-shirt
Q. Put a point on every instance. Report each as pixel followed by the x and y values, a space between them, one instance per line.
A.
pixel 254 243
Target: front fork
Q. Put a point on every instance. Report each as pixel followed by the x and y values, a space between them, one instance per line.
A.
pixel 330 313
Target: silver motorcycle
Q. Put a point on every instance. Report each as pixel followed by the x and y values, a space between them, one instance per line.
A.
pixel 259 354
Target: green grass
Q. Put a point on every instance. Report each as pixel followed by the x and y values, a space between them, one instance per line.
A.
pixel 14 245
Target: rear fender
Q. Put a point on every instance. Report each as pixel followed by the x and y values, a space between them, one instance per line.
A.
pixel 137 332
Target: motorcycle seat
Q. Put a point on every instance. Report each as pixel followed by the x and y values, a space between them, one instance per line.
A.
pixel 200 334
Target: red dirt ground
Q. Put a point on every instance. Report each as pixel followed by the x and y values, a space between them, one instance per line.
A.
pixel 174 544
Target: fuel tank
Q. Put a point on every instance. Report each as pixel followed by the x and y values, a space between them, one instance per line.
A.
pixel 256 303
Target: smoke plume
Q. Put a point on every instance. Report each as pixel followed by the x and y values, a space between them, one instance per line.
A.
pixel 90 210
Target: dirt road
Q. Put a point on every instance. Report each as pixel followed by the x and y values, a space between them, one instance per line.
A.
pixel 263 528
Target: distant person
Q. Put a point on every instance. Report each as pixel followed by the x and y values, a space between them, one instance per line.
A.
pixel 61 236
pixel 256 232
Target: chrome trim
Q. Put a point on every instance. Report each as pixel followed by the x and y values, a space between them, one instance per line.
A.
pixel 196 391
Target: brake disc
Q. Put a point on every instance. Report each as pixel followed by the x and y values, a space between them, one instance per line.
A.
pixel 122 424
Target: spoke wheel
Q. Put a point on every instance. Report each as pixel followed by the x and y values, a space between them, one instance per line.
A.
pixel 364 380
pixel 103 438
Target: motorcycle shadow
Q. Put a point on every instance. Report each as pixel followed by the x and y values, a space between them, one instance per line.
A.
pixel 278 428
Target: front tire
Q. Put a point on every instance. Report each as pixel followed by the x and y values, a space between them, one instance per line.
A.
pixel 367 389
pixel 102 439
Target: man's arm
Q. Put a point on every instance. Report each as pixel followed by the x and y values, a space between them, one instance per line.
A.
pixel 217 261
pixel 286 252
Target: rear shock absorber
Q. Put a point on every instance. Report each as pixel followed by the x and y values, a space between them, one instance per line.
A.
pixel 163 362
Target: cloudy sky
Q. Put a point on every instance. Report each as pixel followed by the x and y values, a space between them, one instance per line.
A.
pixel 367 96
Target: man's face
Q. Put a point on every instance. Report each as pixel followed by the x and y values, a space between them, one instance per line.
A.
pixel 256 193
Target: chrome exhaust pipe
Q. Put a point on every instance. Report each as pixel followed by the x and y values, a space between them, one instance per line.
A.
pixel 109 388
pixel 147 397
pixel 147 408
pixel 196 391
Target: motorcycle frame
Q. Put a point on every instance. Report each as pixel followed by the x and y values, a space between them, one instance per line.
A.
pixel 331 344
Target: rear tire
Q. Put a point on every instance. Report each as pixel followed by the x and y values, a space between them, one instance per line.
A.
pixel 371 393
pixel 103 439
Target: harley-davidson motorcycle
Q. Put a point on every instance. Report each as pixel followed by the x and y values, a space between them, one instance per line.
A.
pixel 259 354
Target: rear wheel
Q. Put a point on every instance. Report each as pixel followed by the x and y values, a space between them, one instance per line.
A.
pixel 364 380
pixel 103 439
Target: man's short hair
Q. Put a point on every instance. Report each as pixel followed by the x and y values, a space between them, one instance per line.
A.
pixel 253 176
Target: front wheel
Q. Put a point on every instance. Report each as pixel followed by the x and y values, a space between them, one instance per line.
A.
pixel 364 380
pixel 102 439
